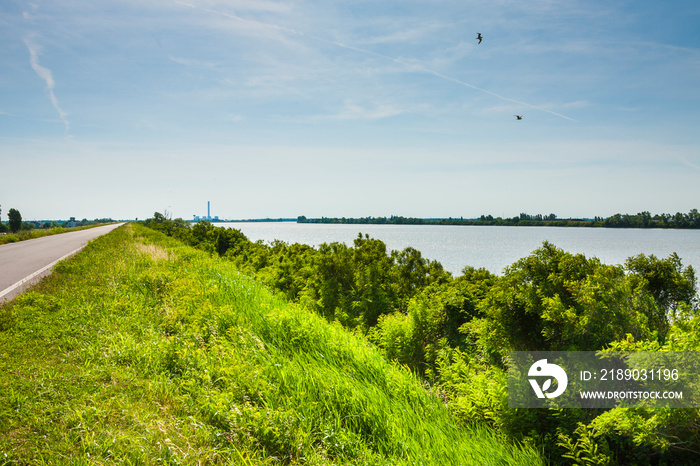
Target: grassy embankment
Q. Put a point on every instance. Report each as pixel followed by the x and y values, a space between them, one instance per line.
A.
pixel 22 235
pixel 140 350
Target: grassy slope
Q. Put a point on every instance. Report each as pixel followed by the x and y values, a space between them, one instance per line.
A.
pixel 140 350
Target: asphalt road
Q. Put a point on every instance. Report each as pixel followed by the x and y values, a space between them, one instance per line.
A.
pixel 26 262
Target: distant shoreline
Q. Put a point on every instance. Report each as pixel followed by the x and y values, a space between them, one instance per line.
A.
pixel 248 220
pixel 679 220
pixel 453 221
pixel 643 220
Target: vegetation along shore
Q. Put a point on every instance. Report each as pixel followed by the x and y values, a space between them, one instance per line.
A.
pixel 454 333
pixel 183 343
pixel 640 220
pixel 144 350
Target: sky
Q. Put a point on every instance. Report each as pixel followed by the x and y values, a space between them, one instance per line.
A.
pixel 348 108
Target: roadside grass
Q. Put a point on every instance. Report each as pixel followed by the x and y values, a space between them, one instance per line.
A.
pixel 140 350
pixel 22 235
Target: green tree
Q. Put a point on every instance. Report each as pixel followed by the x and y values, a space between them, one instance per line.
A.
pixel 433 320
pixel 670 284
pixel 330 288
pixel 374 291
pixel 203 234
pixel 412 273
pixel 288 268
pixel 557 301
pixel 15 220
pixel 158 217
pixel 232 242
pixel 694 218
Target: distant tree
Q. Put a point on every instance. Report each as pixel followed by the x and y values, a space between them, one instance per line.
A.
pixel 644 219
pixel 680 220
pixel 15 220
pixel 694 218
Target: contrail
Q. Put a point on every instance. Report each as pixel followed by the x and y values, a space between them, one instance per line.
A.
pixel 508 99
pixel 47 76
pixel 423 69
pixel 689 163
pixel 410 66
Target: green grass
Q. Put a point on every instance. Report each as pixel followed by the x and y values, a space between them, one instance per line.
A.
pixel 142 351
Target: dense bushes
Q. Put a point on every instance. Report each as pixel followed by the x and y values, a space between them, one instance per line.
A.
pixel 456 332
pixel 353 285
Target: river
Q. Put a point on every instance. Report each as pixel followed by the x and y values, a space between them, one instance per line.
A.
pixel 491 247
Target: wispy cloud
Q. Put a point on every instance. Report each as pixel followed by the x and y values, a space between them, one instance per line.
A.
pixel 45 74
pixel 689 163
pixel 193 62
pixel 353 111
pixel 245 25
pixel 409 66
pixel 30 14
pixel 418 67
pixel 399 32
pixel 244 5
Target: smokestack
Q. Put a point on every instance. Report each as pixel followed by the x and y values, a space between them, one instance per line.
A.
pixel 208 212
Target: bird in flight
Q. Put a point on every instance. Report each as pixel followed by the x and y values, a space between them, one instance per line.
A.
pixel 519 117
pixel 478 37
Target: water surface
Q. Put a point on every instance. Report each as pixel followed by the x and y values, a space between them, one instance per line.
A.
pixel 491 247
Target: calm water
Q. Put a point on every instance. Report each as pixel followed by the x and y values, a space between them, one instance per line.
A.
pixel 493 248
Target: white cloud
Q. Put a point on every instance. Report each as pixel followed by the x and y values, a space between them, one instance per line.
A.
pixel 45 74
pixel 193 62
pixel 230 20
pixel 243 5
pixel 30 14
pixel 393 31
pixel 353 111
pixel 689 163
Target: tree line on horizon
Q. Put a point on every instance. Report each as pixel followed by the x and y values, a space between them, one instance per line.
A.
pixel 15 222
pixel 456 332
pixel 645 219
pixel 17 229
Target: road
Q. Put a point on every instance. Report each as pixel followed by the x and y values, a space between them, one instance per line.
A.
pixel 26 262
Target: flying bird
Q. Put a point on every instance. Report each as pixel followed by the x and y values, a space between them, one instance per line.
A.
pixel 478 37
pixel 519 117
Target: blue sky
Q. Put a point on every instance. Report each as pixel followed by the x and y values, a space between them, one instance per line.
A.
pixel 348 108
